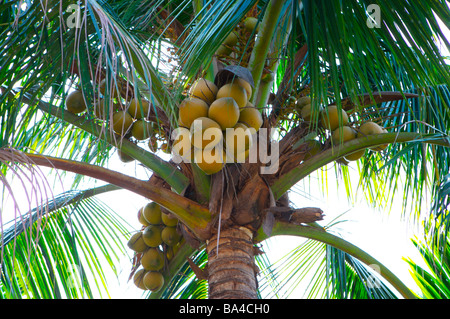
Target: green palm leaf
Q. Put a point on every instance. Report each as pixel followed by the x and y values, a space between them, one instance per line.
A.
pixel 434 281
pixel 322 271
pixel 64 253
pixel 185 285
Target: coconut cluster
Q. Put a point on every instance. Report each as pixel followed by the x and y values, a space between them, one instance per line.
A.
pixel 155 245
pixel 216 124
pixel 247 27
pixel 129 117
pixel 336 122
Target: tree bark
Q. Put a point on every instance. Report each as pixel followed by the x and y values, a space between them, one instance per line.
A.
pixel 231 265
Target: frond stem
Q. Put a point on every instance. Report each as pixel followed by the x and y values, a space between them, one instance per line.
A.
pixel 289 179
pixel 319 234
pixel 190 213
pixel 262 44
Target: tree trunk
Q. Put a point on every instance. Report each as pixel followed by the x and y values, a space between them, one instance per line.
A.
pixel 232 271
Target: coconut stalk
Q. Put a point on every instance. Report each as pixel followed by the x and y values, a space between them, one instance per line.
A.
pixel 289 179
pixel 38 212
pixel 202 184
pixel 319 234
pixel 191 214
pixel 280 39
pixel 264 38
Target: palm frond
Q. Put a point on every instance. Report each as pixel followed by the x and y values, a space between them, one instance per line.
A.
pixel 58 202
pixel 344 44
pixel 185 285
pixel 208 30
pixel 414 169
pixel 52 59
pixel 65 252
pixel 348 278
pixel 434 281
pixel 438 223
pixel 294 270
pixel 322 271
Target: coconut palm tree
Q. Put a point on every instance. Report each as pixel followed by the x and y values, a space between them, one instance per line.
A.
pixel 303 60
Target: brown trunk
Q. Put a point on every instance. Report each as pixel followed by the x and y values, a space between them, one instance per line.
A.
pixel 232 272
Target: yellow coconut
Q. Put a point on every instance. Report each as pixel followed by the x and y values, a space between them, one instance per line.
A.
pixel 238 139
pixel 234 90
pixel 170 236
pixel 231 39
pixel 372 128
pixel 302 101
pixel 152 213
pixel 247 87
pixel 142 129
pixel 192 108
pixel 224 111
pixel 355 155
pixel 210 161
pixel 169 220
pixel 75 102
pixel 141 218
pixel 309 113
pixel 251 117
pixel 250 24
pixel 331 118
pixel 180 123
pixel 153 281
pixel 139 108
pixel 369 128
pixel 136 243
pixel 204 89
pixel 152 235
pixel 138 279
pixel 153 259
pixel 205 133
pixel 343 134
pixel 122 122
